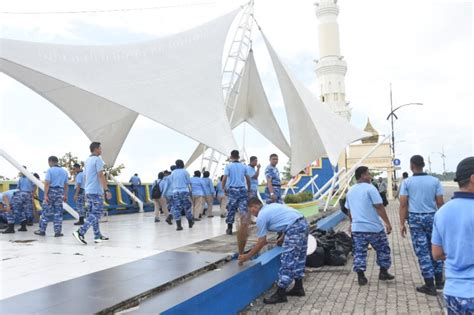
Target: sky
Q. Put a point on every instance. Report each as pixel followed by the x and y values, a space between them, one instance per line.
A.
pixel 423 48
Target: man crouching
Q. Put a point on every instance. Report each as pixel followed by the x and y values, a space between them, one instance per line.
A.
pixel 280 218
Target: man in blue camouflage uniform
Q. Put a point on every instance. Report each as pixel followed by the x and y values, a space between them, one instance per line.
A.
pixel 9 202
pixel 420 196
pixel 79 195
pixel 27 189
pixel 95 187
pixel 272 175
pixel 55 192
pixel 181 195
pixel 365 208
pixel 452 241
pixel 254 172
pixel 237 180
pixel 167 191
pixel 294 236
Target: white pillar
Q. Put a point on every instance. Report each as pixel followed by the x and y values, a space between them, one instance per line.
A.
pixel 331 68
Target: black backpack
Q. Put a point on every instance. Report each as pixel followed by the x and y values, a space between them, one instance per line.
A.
pixel 155 191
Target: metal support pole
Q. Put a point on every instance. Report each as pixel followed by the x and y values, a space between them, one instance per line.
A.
pixel 128 192
pixel 37 182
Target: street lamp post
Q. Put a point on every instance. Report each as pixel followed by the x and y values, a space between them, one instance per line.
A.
pixel 391 116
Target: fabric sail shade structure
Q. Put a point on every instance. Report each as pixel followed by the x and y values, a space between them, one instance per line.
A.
pixel 315 131
pixel 103 88
pixel 248 103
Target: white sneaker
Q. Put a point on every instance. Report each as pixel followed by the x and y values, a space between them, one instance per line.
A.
pixel 79 237
pixel 101 239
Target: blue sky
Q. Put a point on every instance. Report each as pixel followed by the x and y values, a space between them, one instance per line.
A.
pixel 424 49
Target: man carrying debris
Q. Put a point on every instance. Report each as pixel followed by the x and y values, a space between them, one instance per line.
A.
pixel 280 218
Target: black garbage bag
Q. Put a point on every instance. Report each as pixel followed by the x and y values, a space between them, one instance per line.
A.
pixel 336 247
pixel 316 259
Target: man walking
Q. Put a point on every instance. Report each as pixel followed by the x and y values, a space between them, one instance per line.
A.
pixel 55 192
pixel 96 186
pixel 79 196
pixel 420 196
pixel 383 191
pixel 365 206
pixel 181 195
pixel 294 230
pixel 197 187
pixel 209 192
pixel 254 172
pixel 453 242
pixel 236 174
pixel 272 175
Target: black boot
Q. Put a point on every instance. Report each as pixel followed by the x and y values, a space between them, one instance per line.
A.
pixel 169 219
pixel 10 229
pixel 439 280
pixel 80 222
pixel 29 221
pixel 361 278
pixel 178 224
pixel 229 229
pixel 297 290
pixel 384 275
pixel 429 287
pixel 23 227
pixel 278 297
pixel 191 223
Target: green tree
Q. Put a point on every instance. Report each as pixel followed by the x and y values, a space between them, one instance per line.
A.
pixel 114 171
pixel 286 174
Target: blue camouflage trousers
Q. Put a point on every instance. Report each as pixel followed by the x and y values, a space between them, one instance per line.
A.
pixel 26 203
pixel 277 192
pixel 421 227
pixel 169 202
pixel 181 202
pixel 379 242
pixel 16 213
pixel 459 306
pixel 80 204
pixel 95 207
pixel 293 257
pixel 237 199
pixel 53 210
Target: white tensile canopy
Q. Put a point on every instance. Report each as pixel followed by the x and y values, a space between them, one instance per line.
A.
pixel 248 103
pixel 315 131
pixel 175 81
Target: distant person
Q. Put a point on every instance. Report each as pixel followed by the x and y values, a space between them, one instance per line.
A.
pixel 453 241
pixel 79 195
pixel 221 197
pixel 181 195
pixel 383 191
pixel 404 176
pixel 95 188
pixel 294 230
pixel 9 201
pixel 157 196
pixel 197 187
pixel 420 196
pixel 26 191
pixel 272 175
pixel 135 183
pixel 254 173
pixel 55 193
pixel 238 180
pixel 365 209
pixel 208 192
